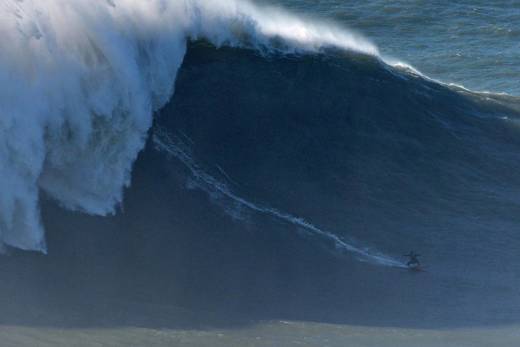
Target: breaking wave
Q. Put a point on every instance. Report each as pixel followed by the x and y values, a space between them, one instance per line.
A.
pixel 79 82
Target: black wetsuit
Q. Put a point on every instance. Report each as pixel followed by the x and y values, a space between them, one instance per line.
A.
pixel 413 259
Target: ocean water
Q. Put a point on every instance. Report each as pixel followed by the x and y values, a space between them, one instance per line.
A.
pixel 470 43
pixel 228 173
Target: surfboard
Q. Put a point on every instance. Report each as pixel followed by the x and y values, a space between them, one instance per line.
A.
pixel 415 267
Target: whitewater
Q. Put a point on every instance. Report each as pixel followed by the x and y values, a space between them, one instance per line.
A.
pixel 81 80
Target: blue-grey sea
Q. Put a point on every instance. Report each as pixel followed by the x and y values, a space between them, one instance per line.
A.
pixel 471 43
pixel 234 173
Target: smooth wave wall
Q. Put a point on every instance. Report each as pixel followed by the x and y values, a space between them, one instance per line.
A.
pixel 174 146
pixel 353 146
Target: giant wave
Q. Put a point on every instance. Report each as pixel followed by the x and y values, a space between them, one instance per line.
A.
pixel 292 109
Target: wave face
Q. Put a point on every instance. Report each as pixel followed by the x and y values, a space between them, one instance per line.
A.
pixel 79 83
pixel 377 156
pixel 299 122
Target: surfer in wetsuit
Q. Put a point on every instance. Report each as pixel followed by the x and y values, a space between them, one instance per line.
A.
pixel 413 259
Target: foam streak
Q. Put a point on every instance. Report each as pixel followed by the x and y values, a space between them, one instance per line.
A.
pixel 175 147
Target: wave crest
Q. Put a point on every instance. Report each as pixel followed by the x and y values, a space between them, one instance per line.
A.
pixel 79 82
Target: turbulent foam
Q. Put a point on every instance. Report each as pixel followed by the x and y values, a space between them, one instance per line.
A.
pixel 80 80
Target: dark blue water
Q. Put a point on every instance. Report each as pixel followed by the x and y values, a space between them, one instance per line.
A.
pixel 363 151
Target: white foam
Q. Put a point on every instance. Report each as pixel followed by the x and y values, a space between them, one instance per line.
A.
pixel 80 80
pixel 410 70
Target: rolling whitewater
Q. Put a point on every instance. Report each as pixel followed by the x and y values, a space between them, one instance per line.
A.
pixel 227 173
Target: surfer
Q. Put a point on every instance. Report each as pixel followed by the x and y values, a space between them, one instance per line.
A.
pixel 413 259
